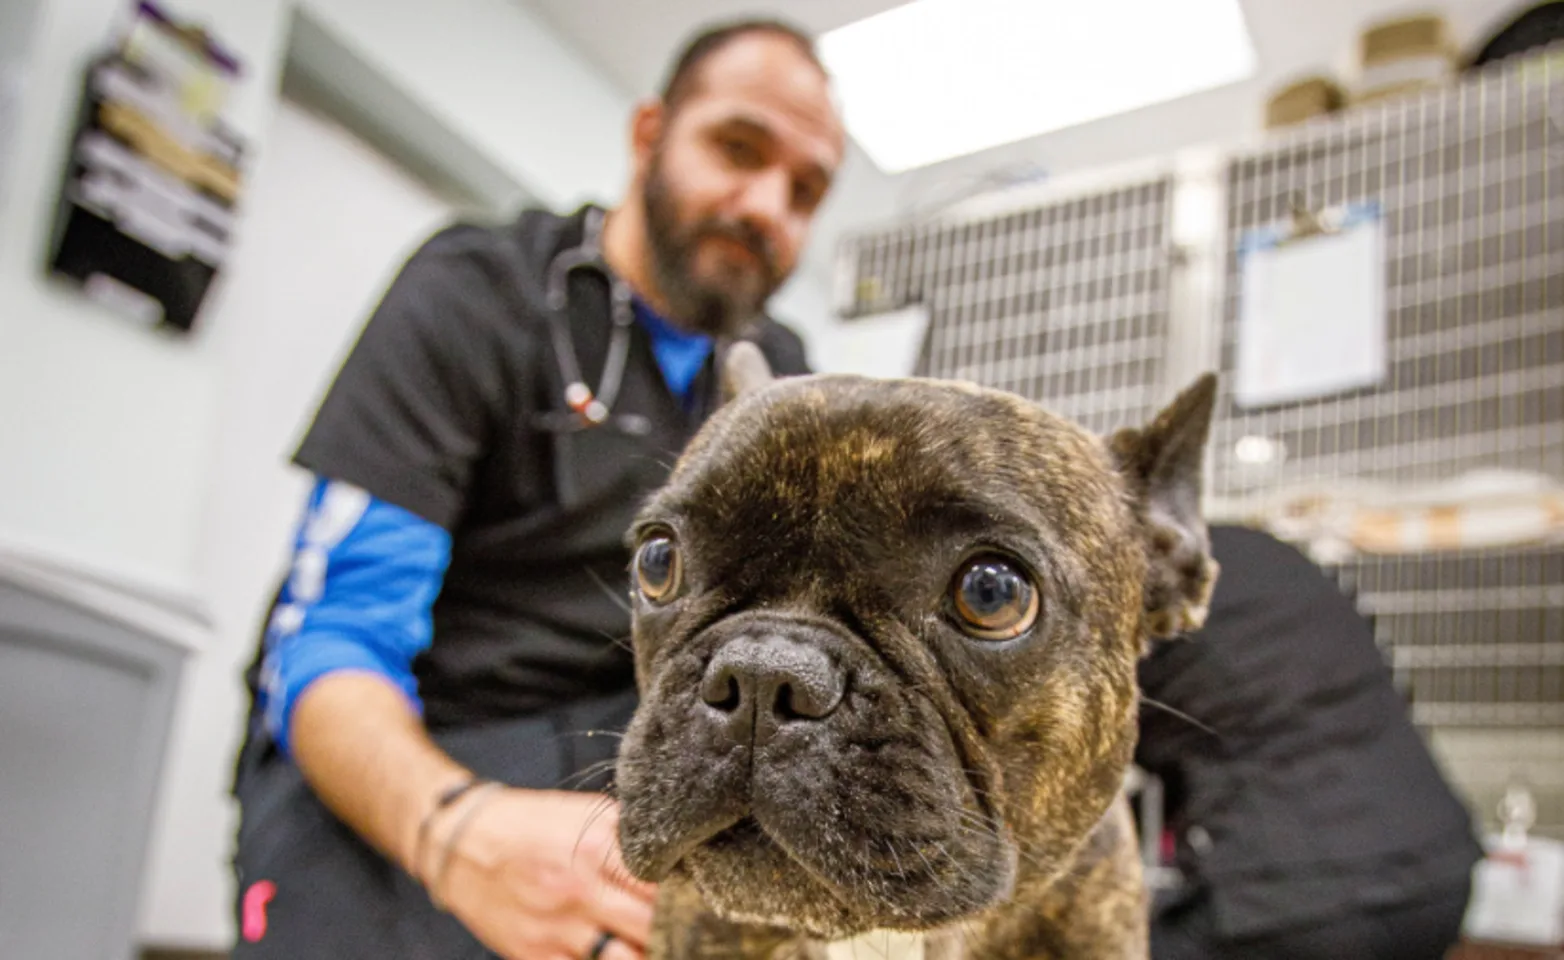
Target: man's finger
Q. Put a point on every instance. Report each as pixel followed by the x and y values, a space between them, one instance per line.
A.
pixel 623 914
pixel 619 950
pixel 579 935
pixel 616 950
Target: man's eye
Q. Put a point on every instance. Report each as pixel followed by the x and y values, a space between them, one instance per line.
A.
pixel 741 152
pixel 806 196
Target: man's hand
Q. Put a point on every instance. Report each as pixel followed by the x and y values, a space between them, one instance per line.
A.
pixel 536 875
pixel 532 874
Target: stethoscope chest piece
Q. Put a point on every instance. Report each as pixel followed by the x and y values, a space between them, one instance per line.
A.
pixel 581 401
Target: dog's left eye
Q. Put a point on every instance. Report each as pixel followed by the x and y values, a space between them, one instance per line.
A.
pixel 994 599
pixel 657 569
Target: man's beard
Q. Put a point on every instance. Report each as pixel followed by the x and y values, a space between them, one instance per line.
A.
pixel 703 306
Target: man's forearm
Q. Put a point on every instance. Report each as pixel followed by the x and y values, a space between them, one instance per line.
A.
pixel 364 751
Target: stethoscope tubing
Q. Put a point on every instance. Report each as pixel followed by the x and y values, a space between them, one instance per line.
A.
pixel 588 408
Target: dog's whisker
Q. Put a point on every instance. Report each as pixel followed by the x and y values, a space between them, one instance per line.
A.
pixel 1174 711
pixel 616 734
pixel 622 643
pixel 987 833
pixel 901 871
pixel 960 866
pixel 974 819
pixel 617 597
pixel 586 773
pixel 932 872
pixel 606 764
pixel 934 875
pixel 600 807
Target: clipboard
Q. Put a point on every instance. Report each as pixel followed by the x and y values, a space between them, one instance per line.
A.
pixel 149 199
pixel 1311 310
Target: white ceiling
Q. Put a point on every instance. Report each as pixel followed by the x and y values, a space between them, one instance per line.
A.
pixel 632 42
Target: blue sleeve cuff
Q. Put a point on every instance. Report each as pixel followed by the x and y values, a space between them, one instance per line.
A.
pixel 359 598
pixel 319 655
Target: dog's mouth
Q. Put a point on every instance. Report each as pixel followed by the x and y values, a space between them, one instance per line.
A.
pixel 749 841
pixel 739 838
pixel 822 844
pixel 839 880
pixel 746 874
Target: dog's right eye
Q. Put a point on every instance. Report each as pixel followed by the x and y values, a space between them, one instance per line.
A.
pixel 657 569
pixel 994 599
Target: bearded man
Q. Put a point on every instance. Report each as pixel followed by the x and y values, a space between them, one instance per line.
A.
pixel 436 694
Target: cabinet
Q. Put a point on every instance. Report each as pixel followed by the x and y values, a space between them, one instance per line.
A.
pixel 88 679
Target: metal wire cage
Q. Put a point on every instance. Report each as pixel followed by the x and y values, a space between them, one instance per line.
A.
pixel 1065 303
pixel 1100 300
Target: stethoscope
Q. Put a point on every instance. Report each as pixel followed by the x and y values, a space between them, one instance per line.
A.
pixel 586 408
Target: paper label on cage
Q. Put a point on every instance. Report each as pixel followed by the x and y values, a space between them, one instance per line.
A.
pixel 886 345
pixel 1518 894
pixel 1311 313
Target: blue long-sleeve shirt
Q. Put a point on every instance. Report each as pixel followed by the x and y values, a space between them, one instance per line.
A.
pixel 365 573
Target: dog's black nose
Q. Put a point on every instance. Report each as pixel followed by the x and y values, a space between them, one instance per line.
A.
pixel 759 685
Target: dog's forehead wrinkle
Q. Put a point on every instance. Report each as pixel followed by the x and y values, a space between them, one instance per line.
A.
pixel 840 468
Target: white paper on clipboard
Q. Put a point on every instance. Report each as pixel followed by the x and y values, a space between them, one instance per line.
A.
pixel 885 345
pixel 1311 311
pixel 1518 893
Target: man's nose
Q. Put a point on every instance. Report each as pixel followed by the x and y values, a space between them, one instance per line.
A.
pixel 757 687
pixel 767 203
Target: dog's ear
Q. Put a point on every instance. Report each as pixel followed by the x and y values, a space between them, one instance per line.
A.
pixel 1163 464
pixel 744 370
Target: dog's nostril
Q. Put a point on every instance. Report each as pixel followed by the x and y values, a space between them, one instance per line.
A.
pixel 785 708
pixel 810 699
pixel 731 696
pixel 722 692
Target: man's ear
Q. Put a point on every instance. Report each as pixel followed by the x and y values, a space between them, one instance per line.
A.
pixel 744 370
pixel 646 130
pixel 1163 466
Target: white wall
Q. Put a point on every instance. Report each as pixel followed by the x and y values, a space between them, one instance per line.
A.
pixel 16 30
pixel 103 429
pixel 114 453
pixel 110 435
pixel 332 220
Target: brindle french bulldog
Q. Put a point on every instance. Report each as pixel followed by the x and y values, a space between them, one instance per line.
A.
pixel 886 635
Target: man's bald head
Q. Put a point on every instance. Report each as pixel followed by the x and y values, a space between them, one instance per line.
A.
pixel 685 76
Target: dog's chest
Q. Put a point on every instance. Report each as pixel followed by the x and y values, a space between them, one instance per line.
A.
pixel 946 944
pixel 881 945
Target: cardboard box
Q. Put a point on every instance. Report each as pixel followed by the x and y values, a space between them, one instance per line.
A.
pixel 1304 100
pixel 1404 56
